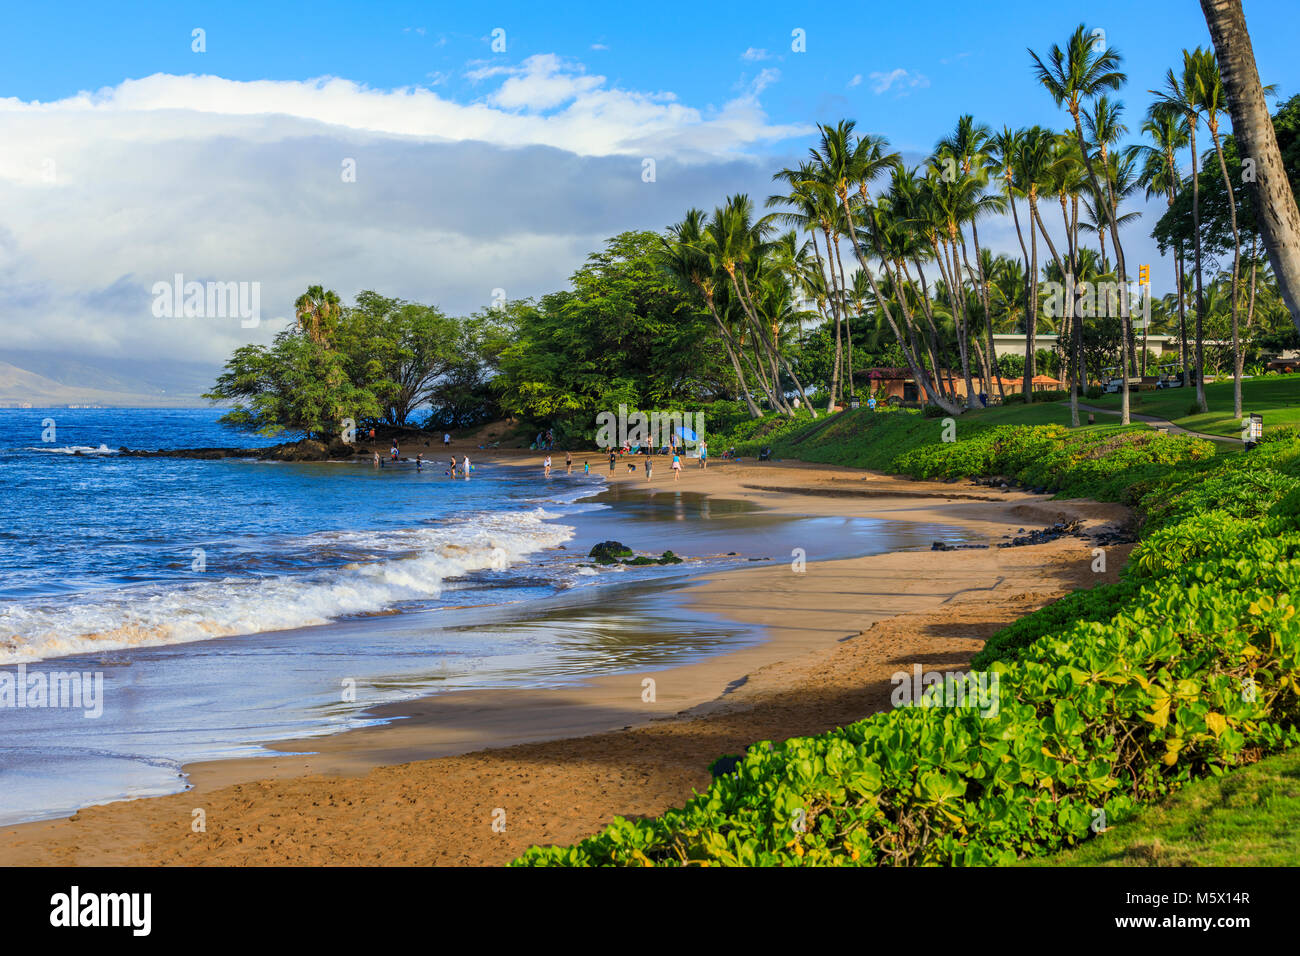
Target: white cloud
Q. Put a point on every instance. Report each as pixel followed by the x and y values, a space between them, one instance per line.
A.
pixel 766 77
pixel 856 81
pixel 898 78
pixel 755 54
pixel 226 180
pixel 543 101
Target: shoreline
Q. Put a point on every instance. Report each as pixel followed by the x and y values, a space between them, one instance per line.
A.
pixel 809 620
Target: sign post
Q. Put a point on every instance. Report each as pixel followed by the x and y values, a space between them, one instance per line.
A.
pixel 1252 430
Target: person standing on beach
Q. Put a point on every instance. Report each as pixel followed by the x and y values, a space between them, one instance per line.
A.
pixel 649 468
pixel 546 467
pixel 704 454
pixel 466 466
pixel 677 467
pixel 613 456
pixel 568 462
pixel 446 439
pixel 585 469
pixel 376 459
pixel 419 461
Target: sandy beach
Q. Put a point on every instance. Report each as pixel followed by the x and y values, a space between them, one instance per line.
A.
pixel 556 765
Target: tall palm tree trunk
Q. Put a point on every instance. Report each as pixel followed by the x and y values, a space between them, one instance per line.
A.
pixel 1119 255
pixel 1252 125
pixel 772 349
pixel 909 354
pixel 848 331
pixel 1200 287
pixel 1031 303
pixel 1236 273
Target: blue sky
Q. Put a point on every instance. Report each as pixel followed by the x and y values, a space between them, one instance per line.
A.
pixel 125 157
pixel 972 56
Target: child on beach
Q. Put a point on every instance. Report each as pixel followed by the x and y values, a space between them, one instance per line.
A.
pixel 585 469
pixel 546 467
pixel 649 468
pixel 613 456
pixel 568 462
pixel 419 461
pixel 376 459
pixel 394 452
pixel 704 454
pixel 465 464
pixel 677 467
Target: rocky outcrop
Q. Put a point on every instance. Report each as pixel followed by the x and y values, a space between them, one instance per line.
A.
pixel 308 449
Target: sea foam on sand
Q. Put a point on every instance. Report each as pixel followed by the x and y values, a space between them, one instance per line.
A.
pixel 152 615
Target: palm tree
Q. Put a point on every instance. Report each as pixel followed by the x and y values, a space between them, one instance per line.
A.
pixel 739 247
pixel 902 227
pixel 848 162
pixel 686 260
pixel 969 146
pixel 1067 178
pixel 885 229
pixel 1070 76
pixel 1005 152
pixel 1256 138
pixel 1169 133
pixel 1211 95
pixel 316 309
pixel 1032 162
pixel 812 205
pixel 1180 95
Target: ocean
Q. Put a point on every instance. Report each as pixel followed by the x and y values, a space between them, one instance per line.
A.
pixel 209 606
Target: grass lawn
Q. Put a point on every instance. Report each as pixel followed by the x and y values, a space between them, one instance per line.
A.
pixel 1244 818
pixel 1040 413
pixel 1277 397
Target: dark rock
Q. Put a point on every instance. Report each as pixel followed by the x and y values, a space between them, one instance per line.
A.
pixel 724 765
pixel 608 552
pixel 1061 529
pixel 338 448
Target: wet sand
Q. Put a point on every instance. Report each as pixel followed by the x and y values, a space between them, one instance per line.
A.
pixel 561 763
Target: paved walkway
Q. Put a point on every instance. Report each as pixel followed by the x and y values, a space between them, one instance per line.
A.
pixel 1163 422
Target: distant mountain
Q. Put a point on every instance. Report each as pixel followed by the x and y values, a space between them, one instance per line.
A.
pixel 44 379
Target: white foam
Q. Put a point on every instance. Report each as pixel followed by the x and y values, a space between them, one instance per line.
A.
pixel 75 450
pixel 155 615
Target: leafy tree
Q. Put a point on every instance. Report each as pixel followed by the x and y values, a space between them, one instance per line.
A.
pixel 403 350
pixel 626 333
pixel 297 383
pixel 468 394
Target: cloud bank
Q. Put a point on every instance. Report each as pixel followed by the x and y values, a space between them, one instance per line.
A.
pixel 289 183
